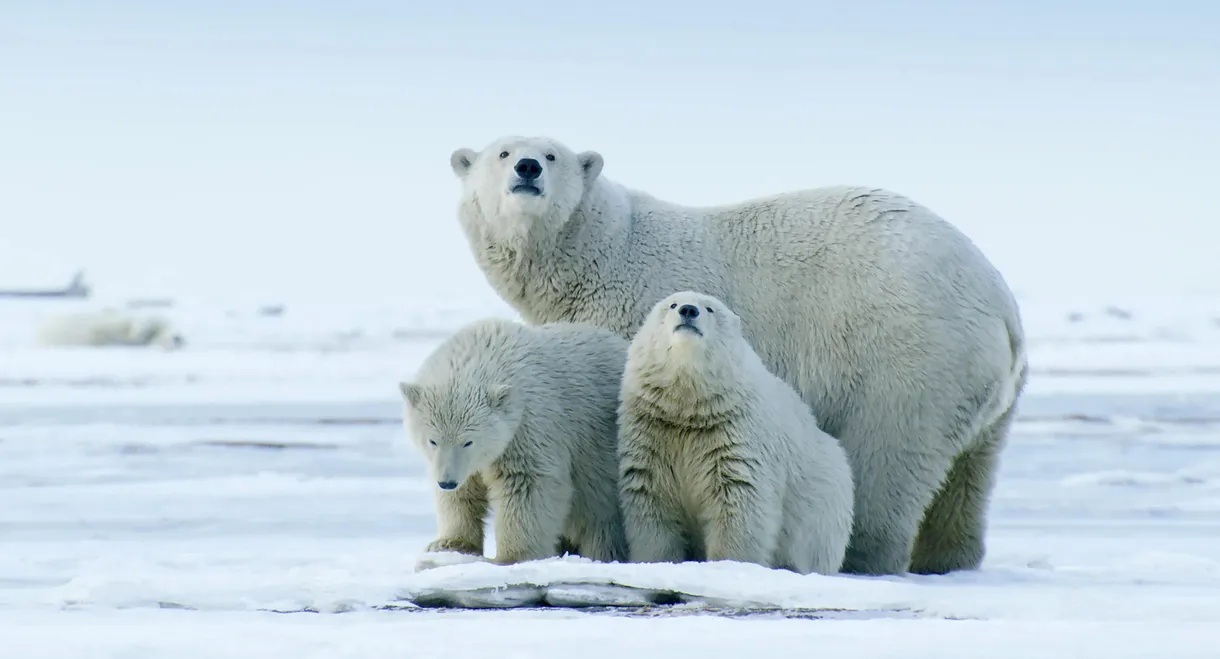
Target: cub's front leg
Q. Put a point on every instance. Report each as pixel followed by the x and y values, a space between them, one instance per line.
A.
pixel 461 515
pixel 742 513
pixel 531 511
pixel 651 513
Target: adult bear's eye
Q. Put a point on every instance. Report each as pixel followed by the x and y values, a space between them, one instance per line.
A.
pixel 674 305
pixel 709 310
pixel 467 444
pixel 550 157
pixel 432 442
pixel 503 155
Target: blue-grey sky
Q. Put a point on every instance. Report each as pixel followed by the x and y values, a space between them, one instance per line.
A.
pixel 300 149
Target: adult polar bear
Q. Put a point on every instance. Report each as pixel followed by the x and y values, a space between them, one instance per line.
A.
pixel 895 329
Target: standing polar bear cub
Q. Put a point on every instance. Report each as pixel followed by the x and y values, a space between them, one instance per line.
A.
pixel 892 326
pixel 720 459
pixel 525 417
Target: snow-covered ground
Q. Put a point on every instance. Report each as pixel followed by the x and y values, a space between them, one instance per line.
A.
pixel 253 496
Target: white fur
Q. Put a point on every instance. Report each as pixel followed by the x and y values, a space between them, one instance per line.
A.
pixel 524 417
pixel 893 326
pixel 109 327
pixel 718 458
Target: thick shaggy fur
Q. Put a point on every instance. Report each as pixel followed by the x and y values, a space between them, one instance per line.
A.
pixel 896 330
pixel 109 327
pixel 718 458
pixel 525 418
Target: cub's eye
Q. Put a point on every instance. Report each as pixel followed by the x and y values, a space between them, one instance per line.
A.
pixel 503 154
pixel 467 444
pixel 550 157
pixel 674 305
pixel 432 442
pixel 709 310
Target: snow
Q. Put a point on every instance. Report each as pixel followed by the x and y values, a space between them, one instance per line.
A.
pixel 253 495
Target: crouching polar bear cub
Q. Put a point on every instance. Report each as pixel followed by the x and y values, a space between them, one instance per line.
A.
pixel 525 417
pixel 896 330
pixel 720 459
pixel 109 327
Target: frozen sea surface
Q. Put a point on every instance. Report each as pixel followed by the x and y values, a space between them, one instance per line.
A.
pixel 254 496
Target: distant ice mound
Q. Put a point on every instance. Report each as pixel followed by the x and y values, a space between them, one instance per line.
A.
pixel 109 327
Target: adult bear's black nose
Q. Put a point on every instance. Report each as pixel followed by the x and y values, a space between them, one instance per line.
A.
pixel 528 169
pixel 447 485
pixel 688 311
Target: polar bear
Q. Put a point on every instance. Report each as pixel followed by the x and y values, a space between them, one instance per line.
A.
pixel 889 322
pixel 525 417
pixel 718 458
pixel 109 327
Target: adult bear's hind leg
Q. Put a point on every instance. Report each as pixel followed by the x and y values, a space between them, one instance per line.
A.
pixel 951 535
pixel 897 472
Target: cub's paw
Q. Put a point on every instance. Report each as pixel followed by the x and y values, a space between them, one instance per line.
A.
pixel 456 545
pixel 434 559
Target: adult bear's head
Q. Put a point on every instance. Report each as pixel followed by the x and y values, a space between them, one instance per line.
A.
pixel 518 186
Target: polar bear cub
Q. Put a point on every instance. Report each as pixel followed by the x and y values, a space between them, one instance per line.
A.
pixel 109 327
pixel 719 458
pixel 523 417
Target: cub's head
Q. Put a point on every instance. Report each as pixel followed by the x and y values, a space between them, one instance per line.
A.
pixel 688 331
pixel 461 429
pixel 692 318
pixel 516 184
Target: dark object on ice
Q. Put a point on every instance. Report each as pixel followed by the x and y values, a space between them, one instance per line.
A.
pixel 616 599
pixel 513 596
pixel 77 288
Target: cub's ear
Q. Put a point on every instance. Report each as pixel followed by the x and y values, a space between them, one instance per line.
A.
pixel 590 165
pixel 411 392
pixel 461 161
pixel 499 395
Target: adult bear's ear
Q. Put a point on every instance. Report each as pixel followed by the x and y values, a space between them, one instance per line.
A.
pixel 461 161
pixel 590 165
pixel 411 392
pixel 498 395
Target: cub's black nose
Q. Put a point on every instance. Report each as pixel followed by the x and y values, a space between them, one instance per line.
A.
pixel 688 311
pixel 447 485
pixel 528 169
